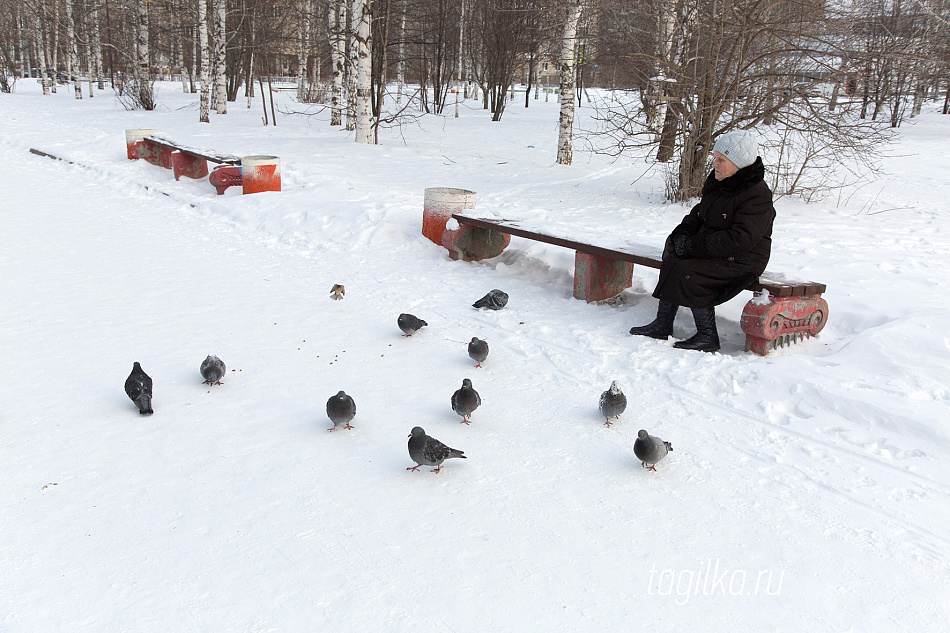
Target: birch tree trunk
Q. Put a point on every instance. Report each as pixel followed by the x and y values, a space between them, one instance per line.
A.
pixel 87 46
pixel 303 48
pixel 566 69
pixel 44 53
pixel 458 64
pixel 362 10
pixel 336 22
pixel 352 63
pixel 401 64
pixel 72 57
pixel 97 44
pixel 220 49
pixel 205 99
pixel 54 46
pixel 143 85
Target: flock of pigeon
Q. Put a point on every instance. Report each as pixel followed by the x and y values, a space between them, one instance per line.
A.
pixel 423 449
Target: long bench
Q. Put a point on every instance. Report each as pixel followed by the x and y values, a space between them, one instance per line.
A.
pixel 192 162
pixel 781 312
pixel 184 160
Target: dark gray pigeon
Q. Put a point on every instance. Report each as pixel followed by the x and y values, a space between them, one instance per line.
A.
pixel 478 350
pixel 410 324
pixel 612 402
pixel 341 409
pixel 428 451
pixel 494 300
pixel 465 401
pixel 212 370
pixel 139 388
pixel 650 449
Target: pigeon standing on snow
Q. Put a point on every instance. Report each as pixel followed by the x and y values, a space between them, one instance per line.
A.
pixel 212 370
pixel 612 402
pixel 341 409
pixel 410 324
pixel 138 386
pixel 428 451
pixel 465 401
pixel 478 350
pixel 337 292
pixel 650 449
pixel 494 300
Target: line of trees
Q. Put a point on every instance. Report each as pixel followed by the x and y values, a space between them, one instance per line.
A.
pixel 820 78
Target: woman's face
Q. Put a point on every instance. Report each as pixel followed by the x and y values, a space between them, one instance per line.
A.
pixel 723 166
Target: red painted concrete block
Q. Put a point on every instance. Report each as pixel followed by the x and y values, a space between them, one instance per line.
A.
pixel 134 141
pixel 598 278
pixel 781 321
pixel 188 165
pixel 471 243
pixel 438 206
pixel 225 176
pixel 260 173
pixel 160 155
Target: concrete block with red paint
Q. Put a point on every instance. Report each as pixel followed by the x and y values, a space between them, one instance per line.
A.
pixel 471 243
pixel 189 165
pixel 260 173
pixel 225 176
pixel 438 206
pixel 598 278
pixel 156 153
pixel 775 322
pixel 135 141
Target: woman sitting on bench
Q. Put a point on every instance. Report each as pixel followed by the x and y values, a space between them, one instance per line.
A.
pixel 720 248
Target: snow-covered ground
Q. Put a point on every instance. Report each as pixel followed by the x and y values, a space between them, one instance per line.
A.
pixel 807 491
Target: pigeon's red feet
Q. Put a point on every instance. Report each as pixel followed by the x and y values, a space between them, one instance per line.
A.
pixel 332 428
pixel 608 422
pixel 653 467
pixel 478 365
pixel 207 382
pixel 466 421
pixel 415 468
pixel 437 470
pixel 348 426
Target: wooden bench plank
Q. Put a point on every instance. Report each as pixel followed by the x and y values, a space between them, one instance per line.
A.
pixel 214 157
pixel 777 284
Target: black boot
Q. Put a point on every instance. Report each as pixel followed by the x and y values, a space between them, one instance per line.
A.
pixel 662 325
pixel 706 338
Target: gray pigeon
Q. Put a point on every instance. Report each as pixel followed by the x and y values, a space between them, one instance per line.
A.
pixel 478 350
pixel 612 402
pixel 650 449
pixel 494 300
pixel 212 370
pixel 138 386
pixel 428 451
pixel 341 409
pixel 465 401
pixel 410 324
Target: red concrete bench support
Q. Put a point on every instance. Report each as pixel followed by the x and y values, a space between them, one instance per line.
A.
pixel 792 311
pixel 185 164
pixel 781 321
pixel 597 278
pixel 225 176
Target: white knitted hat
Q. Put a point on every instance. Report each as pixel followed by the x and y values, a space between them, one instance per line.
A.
pixel 739 146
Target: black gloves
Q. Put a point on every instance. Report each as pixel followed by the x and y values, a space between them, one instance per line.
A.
pixel 689 226
pixel 682 245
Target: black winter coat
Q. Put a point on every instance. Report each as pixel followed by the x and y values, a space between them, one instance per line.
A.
pixel 730 241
